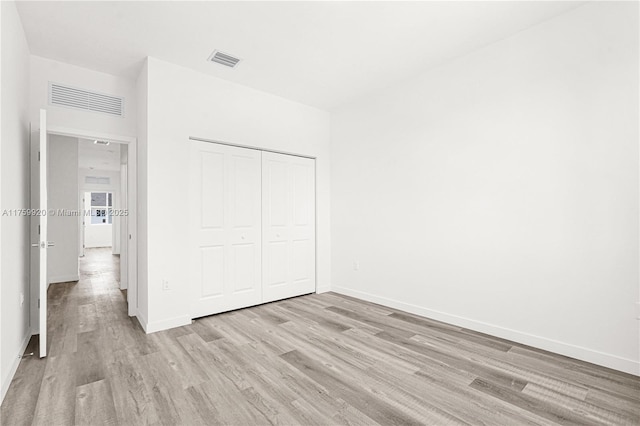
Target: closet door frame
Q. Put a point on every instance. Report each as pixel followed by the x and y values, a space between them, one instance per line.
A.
pixel 315 202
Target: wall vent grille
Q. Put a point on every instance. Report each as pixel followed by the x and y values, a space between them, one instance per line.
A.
pixel 224 59
pixel 86 100
pixel 97 180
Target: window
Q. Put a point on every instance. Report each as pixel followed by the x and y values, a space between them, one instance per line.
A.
pixel 101 206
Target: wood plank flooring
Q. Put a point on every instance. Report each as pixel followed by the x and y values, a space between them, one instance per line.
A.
pixel 313 360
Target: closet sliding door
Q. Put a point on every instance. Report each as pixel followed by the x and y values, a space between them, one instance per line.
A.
pixel 225 221
pixel 288 226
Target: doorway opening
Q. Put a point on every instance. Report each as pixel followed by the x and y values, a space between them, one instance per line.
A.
pixel 86 183
pixel 102 226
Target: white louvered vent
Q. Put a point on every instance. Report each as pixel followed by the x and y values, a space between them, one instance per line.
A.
pixel 97 180
pixel 224 59
pixel 86 100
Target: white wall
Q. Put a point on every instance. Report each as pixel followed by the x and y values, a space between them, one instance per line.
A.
pixel 62 259
pixel 2 378
pixel 100 235
pixel 141 239
pixel 183 103
pixel 500 192
pixel 14 246
pixel 123 248
pixel 44 71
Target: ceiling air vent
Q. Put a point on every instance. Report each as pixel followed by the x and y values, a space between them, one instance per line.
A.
pixel 223 59
pixel 85 100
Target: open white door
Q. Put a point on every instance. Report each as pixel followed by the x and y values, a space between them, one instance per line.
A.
pixel 40 253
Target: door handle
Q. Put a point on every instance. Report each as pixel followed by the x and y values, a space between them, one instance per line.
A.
pixel 43 245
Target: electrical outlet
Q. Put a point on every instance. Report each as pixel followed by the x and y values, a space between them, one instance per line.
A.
pixel 356 265
pixel 165 285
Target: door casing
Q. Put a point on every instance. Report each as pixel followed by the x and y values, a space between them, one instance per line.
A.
pixel 132 219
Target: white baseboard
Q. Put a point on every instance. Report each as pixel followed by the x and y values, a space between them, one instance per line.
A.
pixel 323 289
pixel 143 321
pixel 6 381
pixel 164 324
pixel 63 279
pixel 585 354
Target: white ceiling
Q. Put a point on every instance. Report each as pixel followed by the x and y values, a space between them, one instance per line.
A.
pixel 98 157
pixel 318 53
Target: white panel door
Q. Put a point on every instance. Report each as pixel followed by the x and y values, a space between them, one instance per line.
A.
pixel 39 234
pixel 288 226
pixel 225 221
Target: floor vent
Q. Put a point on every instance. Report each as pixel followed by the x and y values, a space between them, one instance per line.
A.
pixel 224 59
pixel 83 99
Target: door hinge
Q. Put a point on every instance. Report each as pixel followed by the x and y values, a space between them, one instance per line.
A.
pixel 38 229
pixel 38 155
pixel 38 303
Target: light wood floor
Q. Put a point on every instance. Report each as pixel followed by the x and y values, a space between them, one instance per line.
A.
pixel 318 359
